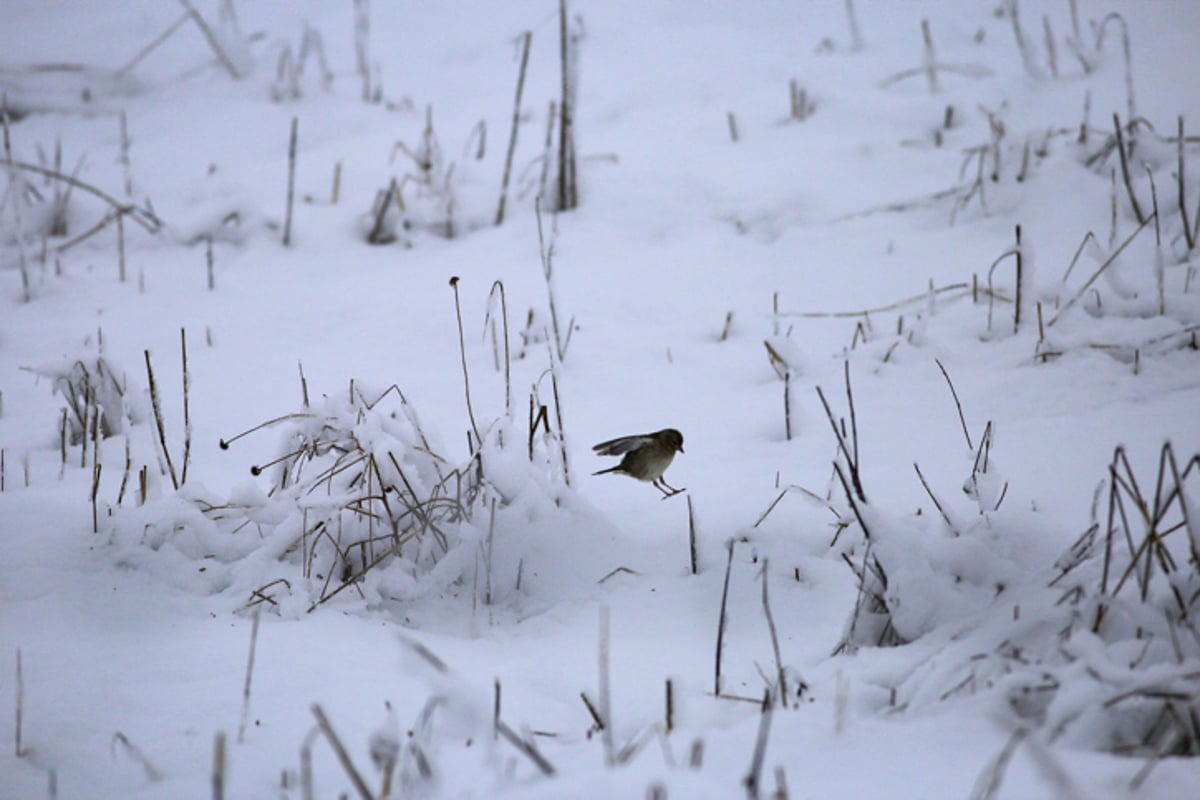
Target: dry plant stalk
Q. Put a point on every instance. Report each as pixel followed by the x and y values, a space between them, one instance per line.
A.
pixel 526 749
pixel 22 256
pixel 597 720
pixel 249 674
pixel 391 489
pixel 144 217
pixel 1107 263
pixel 208 261
pixel 526 39
pixel 562 433
pixel 18 747
pixel 1101 32
pixel 539 419
pixel 781 689
pixel 725 330
pixel 848 450
pixel 121 248
pixel 856 38
pixel 187 414
pixel 963 290
pixel 937 503
pixel 1051 47
pixel 213 41
pixel 291 182
pixel 381 232
pixel 95 495
pixel 692 536
pixel 1189 234
pixel 930 58
pixel 721 619
pixel 218 766
pixel 362 36
pixel 1015 254
pixel 498 291
pixel 153 773
pixel 957 403
pixel 1123 158
pixel 1145 534
pixel 153 45
pixel 568 192
pixel 931 66
pixel 987 786
pixel 753 779
pixel 1023 47
pixel 669 706
pixel 462 350
pixel 156 406
pixel 340 751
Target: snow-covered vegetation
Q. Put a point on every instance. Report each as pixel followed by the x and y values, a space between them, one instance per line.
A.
pixel 312 312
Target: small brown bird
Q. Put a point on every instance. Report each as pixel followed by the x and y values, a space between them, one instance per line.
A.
pixel 646 457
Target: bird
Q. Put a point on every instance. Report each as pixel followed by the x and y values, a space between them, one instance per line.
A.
pixel 645 457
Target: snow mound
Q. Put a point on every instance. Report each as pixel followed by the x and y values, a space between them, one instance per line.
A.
pixel 359 509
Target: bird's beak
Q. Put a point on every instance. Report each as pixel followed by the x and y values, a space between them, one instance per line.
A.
pixel 681 448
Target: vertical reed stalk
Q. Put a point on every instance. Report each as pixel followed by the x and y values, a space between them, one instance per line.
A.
pixel 526 38
pixel 721 620
pixel 156 406
pixel 187 414
pixel 291 182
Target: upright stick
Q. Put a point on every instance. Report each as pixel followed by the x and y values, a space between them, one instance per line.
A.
pixel 291 187
pixel 721 619
pixel 187 414
pixel 526 37
pixel 249 675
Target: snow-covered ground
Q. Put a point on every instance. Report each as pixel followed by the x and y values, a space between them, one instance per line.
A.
pixel 496 621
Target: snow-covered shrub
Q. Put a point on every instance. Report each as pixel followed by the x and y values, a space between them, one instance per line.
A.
pixel 360 506
pixel 1098 647
pixel 94 395
pixel 427 196
pixel 357 486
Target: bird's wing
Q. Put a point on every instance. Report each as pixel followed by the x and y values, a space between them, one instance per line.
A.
pixel 617 447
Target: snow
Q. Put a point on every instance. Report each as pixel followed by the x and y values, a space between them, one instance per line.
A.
pixel 998 649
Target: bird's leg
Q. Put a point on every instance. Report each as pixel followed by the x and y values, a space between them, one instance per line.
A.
pixel 667 489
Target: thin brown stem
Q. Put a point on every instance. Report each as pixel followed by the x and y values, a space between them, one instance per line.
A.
pixel 249 676
pixel 1188 234
pixel 780 674
pixel 158 421
pixel 141 216
pixel 721 620
pixel 1133 200
pixel 526 39
pixel 153 45
pixel 291 182
pixel 213 41
pixel 957 404
pixel 462 350
pixel 340 751
pixel 1107 263
pixel 933 497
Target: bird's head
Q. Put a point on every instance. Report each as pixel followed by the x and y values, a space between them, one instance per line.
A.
pixel 671 438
